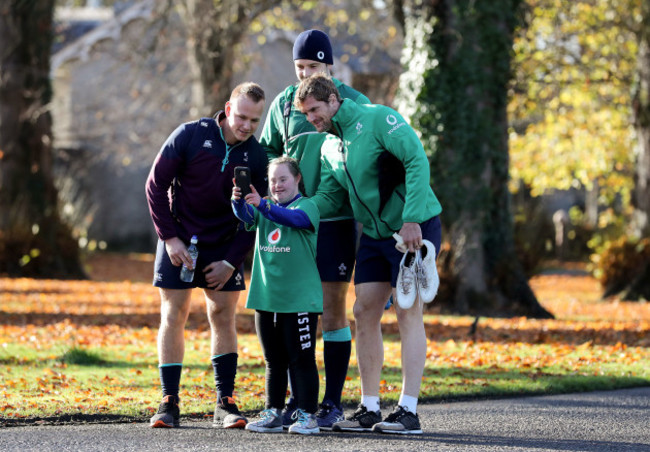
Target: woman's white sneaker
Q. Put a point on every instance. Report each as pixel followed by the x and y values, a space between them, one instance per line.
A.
pixel 305 424
pixel 270 421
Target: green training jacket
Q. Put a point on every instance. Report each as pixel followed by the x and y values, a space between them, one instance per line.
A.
pixel 378 160
pixel 304 142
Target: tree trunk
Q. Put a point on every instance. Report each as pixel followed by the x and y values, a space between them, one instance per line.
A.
pixel 455 93
pixel 215 30
pixel 641 109
pixel 637 287
pixel 34 242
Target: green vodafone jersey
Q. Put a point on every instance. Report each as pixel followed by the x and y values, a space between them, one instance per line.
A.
pixel 294 136
pixel 284 276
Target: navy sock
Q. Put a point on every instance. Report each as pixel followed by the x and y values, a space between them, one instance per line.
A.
pixel 170 379
pixel 336 355
pixel 225 370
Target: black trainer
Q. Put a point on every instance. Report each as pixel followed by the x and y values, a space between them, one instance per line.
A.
pixel 328 414
pixel 361 421
pixel 227 415
pixel 168 414
pixel 400 421
pixel 287 413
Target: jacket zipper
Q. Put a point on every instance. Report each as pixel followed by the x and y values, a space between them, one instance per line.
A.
pixel 226 158
pixel 354 187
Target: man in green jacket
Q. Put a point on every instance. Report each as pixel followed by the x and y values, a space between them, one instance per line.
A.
pixel 376 159
pixel 287 132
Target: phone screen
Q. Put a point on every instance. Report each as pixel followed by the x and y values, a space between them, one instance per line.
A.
pixel 243 179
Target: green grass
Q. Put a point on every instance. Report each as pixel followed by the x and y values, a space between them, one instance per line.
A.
pixel 123 380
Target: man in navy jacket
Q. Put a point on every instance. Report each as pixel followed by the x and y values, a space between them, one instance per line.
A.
pixel 188 191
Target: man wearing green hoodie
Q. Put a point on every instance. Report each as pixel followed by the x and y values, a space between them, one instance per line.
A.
pixel 374 157
pixel 287 132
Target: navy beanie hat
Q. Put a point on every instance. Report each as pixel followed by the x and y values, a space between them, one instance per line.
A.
pixel 313 45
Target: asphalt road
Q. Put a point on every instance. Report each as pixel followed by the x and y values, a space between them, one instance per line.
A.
pixel 596 421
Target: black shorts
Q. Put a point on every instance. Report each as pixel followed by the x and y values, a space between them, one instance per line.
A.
pixel 335 250
pixel 378 260
pixel 167 276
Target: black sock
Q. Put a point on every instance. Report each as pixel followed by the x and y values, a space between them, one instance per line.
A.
pixel 337 357
pixel 170 379
pixel 225 369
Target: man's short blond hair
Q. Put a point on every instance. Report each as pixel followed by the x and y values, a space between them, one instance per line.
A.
pixel 319 86
pixel 249 89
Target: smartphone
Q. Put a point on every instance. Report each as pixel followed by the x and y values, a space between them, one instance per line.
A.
pixel 243 179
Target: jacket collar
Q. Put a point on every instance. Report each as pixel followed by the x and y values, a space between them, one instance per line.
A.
pixel 219 116
pixel 346 115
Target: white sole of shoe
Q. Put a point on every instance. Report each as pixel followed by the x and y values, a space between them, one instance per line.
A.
pixel 265 430
pixel 398 432
pixel 304 432
pixel 351 429
pixel 428 295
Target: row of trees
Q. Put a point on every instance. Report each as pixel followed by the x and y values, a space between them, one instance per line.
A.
pixel 458 70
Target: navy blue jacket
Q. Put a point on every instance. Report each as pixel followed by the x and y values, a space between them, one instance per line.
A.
pixel 190 185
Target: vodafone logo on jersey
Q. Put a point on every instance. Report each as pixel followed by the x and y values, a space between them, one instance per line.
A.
pixel 392 121
pixel 274 236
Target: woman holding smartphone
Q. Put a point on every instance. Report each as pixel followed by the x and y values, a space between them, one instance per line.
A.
pixel 285 293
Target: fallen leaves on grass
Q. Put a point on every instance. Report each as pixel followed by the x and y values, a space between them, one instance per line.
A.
pixel 104 313
pixel 40 320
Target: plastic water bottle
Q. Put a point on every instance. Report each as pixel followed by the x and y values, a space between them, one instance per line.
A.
pixel 187 275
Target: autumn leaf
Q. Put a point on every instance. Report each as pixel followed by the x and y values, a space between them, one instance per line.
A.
pixel 42 319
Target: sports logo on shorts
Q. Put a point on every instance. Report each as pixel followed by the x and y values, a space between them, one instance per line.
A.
pixel 274 236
